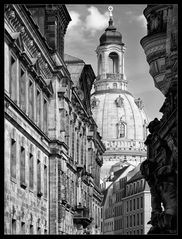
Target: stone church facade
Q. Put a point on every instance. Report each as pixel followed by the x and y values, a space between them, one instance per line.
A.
pixel 52 147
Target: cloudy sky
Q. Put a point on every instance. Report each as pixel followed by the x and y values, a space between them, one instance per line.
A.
pixel 82 38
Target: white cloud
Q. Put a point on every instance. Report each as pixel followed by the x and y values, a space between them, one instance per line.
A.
pixel 75 16
pixel 95 20
pixel 141 19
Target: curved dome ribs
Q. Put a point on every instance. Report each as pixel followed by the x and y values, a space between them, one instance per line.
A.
pixel 134 124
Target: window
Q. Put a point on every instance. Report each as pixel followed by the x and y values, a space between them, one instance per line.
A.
pixel 22 90
pixel 141 231
pixel 141 218
pixel 39 193
pixel 133 220
pixel 81 139
pixel 38 108
pixel 22 166
pixel 130 220
pixel 22 228
pixel 13 226
pixel 137 203
pixel 137 218
pixel 13 78
pixel 45 117
pixel 114 85
pixel 130 205
pixel 45 181
pixel 31 229
pixel 127 206
pixel 134 204
pixel 31 171
pixel 38 230
pixel 138 187
pixel 141 202
pixel 45 231
pixel 30 99
pixel 127 221
pixel 13 158
pixel 73 141
pixel 121 130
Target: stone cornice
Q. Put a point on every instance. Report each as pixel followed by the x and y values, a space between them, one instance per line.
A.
pixel 112 91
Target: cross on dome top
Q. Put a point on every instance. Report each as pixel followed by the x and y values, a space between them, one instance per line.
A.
pixel 110 8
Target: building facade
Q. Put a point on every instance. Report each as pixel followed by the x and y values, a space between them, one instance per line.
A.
pixel 51 140
pixel 160 169
pixel 112 208
pixel 120 117
pixel 136 203
pixel 126 205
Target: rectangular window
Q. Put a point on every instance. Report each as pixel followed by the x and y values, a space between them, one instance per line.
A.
pixel 13 226
pixel 141 231
pixel 141 218
pixel 13 158
pixel 45 116
pixel 137 203
pixel 39 193
pixel 130 205
pixel 31 229
pixel 38 108
pixel 45 181
pixel 134 204
pixel 22 166
pixel 31 171
pixel 78 149
pixel 45 231
pixel 22 228
pixel 130 220
pixel 127 221
pixel 133 220
pixel 137 218
pixel 73 141
pixel 81 150
pixel 30 99
pixel 13 78
pixel 141 202
pixel 22 90
pixel 127 206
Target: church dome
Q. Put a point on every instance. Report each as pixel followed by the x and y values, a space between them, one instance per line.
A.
pixel 116 108
pixel 111 36
pixel 120 117
pixel 122 123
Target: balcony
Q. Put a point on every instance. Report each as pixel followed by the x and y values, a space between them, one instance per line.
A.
pixel 81 216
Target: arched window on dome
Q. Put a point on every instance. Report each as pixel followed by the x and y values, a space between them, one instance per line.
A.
pixel 113 63
pixel 100 65
pixel 121 129
pixel 114 85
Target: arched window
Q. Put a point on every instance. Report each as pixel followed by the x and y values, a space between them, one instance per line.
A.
pixel 100 65
pixel 114 85
pixel 121 129
pixel 113 63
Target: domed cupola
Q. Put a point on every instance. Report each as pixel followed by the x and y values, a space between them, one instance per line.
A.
pixel 111 36
pixel 120 118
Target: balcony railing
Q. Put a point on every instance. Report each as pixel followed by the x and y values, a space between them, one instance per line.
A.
pixel 82 216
